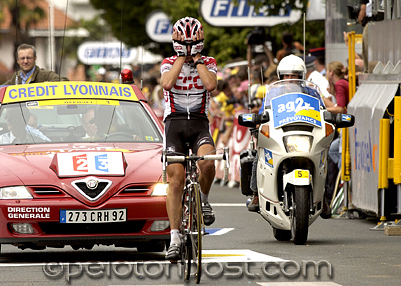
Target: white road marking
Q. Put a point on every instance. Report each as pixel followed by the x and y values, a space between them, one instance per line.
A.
pixel 228 205
pixel 236 255
pixel 218 231
pixel 319 283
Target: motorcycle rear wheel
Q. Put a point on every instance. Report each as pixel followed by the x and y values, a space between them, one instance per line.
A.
pixel 300 214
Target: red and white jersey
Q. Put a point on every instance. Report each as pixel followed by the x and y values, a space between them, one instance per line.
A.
pixel 188 95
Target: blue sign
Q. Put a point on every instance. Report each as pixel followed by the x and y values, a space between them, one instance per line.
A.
pixel 226 13
pixel 102 163
pixel 296 107
pixel 159 27
pixel 63 216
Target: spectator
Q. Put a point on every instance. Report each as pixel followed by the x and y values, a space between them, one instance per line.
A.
pixel 289 46
pixel 320 55
pixel 314 76
pixel 335 74
pixel 364 17
pixel 30 72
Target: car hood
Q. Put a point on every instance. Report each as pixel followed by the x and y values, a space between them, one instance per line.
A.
pixel 35 165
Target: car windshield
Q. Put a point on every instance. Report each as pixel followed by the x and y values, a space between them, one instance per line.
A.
pixel 67 121
pixel 291 86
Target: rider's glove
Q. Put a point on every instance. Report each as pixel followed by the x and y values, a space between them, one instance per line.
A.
pixel 197 47
pixel 180 48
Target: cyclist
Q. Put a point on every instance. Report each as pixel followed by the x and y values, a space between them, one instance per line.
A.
pixel 187 79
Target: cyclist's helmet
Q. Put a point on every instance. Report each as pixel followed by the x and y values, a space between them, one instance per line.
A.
pixel 291 65
pixel 188 26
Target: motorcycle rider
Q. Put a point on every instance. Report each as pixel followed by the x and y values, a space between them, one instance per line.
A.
pixel 290 67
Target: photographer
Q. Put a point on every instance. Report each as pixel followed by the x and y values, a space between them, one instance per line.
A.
pixel 289 46
pixel 263 61
pixel 364 17
pixel 255 39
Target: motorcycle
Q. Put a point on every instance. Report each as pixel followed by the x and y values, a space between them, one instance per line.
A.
pixel 293 134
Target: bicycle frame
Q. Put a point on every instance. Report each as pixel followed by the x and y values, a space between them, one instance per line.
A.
pixel 192 226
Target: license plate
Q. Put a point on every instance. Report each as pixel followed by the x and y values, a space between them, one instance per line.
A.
pixel 93 216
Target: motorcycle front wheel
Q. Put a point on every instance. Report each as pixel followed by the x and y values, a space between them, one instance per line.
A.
pixel 300 214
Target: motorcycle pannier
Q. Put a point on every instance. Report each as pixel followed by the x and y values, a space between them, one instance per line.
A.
pixel 246 160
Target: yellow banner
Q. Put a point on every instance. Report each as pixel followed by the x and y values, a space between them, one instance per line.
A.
pixel 68 90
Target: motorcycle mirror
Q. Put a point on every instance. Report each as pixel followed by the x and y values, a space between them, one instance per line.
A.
pixel 251 119
pixel 339 120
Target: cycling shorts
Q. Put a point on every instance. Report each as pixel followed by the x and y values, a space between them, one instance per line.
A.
pixel 177 132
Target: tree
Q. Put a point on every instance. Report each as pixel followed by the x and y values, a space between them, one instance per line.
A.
pixel 23 15
pixel 224 44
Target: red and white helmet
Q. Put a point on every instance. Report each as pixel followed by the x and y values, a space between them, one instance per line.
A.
pixel 188 26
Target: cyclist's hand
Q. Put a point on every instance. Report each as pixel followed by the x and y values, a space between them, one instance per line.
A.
pixel 198 43
pixel 197 47
pixel 178 44
pixel 180 49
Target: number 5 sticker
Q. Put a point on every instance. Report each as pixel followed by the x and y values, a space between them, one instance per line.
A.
pixel 301 174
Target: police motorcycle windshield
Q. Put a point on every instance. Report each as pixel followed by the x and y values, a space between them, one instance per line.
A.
pixel 294 100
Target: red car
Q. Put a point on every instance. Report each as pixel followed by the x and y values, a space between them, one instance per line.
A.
pixel 80 165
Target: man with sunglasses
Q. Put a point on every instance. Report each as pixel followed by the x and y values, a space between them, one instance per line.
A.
pixel 30 72
pixel 187 80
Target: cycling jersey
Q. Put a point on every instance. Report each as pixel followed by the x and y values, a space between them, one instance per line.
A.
pixel 188 95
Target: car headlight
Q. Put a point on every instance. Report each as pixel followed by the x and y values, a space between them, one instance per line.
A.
pixel 12 193
pixel 160 190
pixel 297 143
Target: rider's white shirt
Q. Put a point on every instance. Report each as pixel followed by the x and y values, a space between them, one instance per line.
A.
pixel 318 79
pixel 188 94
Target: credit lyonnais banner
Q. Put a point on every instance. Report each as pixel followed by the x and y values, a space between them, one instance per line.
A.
pixel 68 89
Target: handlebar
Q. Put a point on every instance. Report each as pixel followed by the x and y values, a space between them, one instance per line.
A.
pixel 179 159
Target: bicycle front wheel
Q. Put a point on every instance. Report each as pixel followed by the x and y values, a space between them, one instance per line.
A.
pixel 186 222
pixel 196 233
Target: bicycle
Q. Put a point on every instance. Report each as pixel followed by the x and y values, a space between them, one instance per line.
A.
pixel 192 227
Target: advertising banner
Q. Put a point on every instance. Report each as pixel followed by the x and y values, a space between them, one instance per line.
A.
pixel 224 13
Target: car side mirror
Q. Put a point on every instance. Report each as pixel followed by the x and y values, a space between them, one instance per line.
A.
pixel 339 120
pixel 252 119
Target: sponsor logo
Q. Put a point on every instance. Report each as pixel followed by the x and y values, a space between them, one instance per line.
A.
pixel 225 13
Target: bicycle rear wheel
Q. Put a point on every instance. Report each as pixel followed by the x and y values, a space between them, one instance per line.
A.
pixel 197 231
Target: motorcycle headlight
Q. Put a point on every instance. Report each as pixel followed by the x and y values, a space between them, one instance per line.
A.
pixel 17 192
pixel 160 190
pixel 297 143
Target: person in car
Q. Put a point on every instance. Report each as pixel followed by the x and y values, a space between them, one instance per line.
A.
pixel 99 126
pixel 19 131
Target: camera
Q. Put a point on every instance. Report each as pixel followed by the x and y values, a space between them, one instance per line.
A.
pixel 256 36
pixel 353 11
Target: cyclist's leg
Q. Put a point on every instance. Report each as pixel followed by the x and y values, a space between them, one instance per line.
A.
pixel 176 175
pixel 206 177
pixel 207 169
pixel 173 201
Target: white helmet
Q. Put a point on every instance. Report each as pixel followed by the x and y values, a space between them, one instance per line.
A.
pixel 188 26
pixel 291 65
